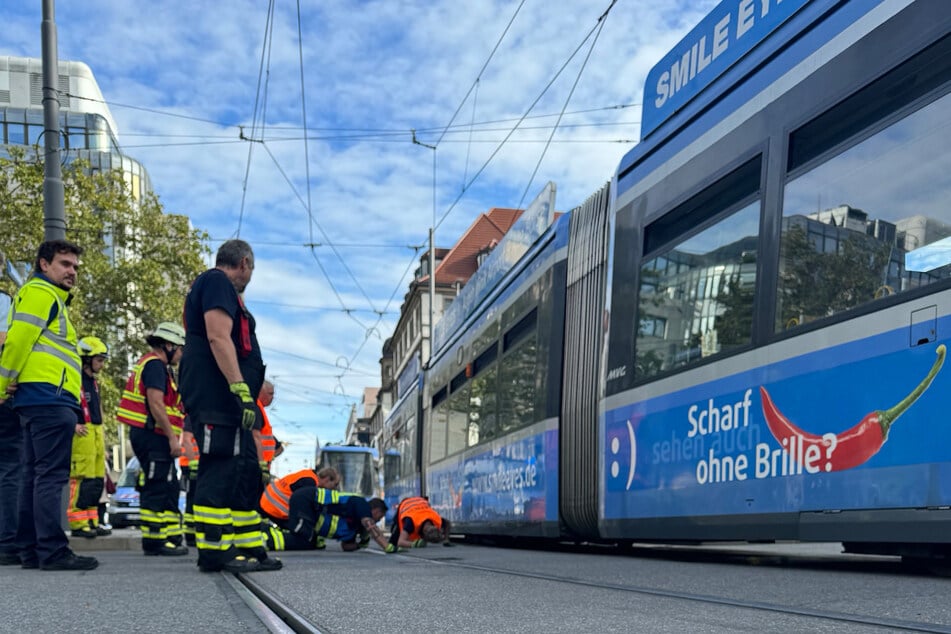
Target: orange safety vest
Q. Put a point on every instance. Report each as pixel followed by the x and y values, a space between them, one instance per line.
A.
pixel 268 444
pixel 276 499
pixel 418 510
pixel 133 408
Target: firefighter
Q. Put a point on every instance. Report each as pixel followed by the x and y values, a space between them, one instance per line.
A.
pixel 267 444
pixel 317 513
pixel 88 460
pixel 417 524
pixel 275 501
pixel 151 406
pixel 221 376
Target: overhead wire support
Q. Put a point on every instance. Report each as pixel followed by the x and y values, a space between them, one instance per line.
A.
pixel 598 27
pixel 475 176
pixel 263 77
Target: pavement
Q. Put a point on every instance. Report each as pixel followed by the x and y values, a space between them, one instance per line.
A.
pixel 121 539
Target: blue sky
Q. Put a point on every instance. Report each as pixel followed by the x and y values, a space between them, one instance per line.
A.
pixel 181 77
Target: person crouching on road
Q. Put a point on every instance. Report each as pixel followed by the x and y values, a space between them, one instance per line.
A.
pixel 316 514
pixel 275 501
pixel 87 473
pixel 417 524
pixel 151 406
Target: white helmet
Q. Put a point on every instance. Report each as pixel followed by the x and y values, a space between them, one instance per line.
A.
pixel 171 332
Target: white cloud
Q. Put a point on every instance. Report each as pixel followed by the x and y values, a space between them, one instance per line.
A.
pixel 376 66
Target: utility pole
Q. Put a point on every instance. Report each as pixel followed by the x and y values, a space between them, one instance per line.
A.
pixel 54 215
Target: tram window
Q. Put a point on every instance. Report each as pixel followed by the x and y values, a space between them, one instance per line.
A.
pixel 458 381
pixel 483 417
pixel 517 382
pixel 522 329
pixel 437 435
pixel 920 75
pixel 458 425
pixel 485 359
pixel 440 396
pixel 407 446
pixel 696 298
pixel 870 222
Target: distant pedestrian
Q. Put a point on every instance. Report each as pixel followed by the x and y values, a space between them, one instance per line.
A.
pixel 221 377
pixel 152 406
pixel 417 524
pixel 87 471
pixel 40 363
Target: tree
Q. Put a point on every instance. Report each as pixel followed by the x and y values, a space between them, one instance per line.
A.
pixel 137 261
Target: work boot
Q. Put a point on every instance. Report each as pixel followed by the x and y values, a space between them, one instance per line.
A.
pixel 85 531
pixel 72 561
pixel 168 549
pixel 270 563
pixel 242 564
pixel 9 559
pixel 102 531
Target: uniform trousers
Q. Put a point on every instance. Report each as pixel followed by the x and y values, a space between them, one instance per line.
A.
pixel 47 443
pixel 11 442
pixel 227 491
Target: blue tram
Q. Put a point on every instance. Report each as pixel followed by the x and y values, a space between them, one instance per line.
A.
pixel 742 336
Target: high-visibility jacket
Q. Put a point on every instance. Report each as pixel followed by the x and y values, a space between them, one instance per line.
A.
pixel 88 453
pixel 40 350
pixel 276 499
pixel 268 444
pixel 418 510
pixel 134 407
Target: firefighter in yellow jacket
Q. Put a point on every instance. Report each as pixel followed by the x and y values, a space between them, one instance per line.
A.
pixel 87 470
pixel 151 406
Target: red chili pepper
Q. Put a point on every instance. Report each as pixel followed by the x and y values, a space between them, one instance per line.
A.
pixel 853 446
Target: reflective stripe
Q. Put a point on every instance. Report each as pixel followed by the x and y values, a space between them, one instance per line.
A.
pixel 59 354
pixel 133 408
pixel 8 374
pixel 57 338
pixel 210 515
pixel 27 318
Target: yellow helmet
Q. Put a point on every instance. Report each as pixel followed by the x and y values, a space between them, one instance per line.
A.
pixel 171 332
pixel 92 347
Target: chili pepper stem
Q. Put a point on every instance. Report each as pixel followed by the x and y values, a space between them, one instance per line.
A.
pixel 889 416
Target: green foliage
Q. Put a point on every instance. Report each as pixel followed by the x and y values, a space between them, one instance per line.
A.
pixel 136 265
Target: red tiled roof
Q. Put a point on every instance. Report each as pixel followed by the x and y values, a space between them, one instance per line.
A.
pixel 460 263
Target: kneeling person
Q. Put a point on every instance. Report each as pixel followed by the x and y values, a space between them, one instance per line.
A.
pixel 417 524
pixel 317 513
pixel 275 501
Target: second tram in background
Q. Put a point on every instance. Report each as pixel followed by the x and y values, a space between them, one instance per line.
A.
pixel 719 344
pixel 358 467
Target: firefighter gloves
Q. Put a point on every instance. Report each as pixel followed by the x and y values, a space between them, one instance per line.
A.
pixel 245 402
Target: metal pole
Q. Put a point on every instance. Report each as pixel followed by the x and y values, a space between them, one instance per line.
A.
pixel 432 290
pixel 54 215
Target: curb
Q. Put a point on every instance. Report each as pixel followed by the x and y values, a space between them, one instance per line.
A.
pixel 121 539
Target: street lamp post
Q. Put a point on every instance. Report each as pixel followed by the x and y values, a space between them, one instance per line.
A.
pixel 54 215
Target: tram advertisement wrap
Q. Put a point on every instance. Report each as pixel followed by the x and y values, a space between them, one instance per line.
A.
pixel 513 481
pixel 816 436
